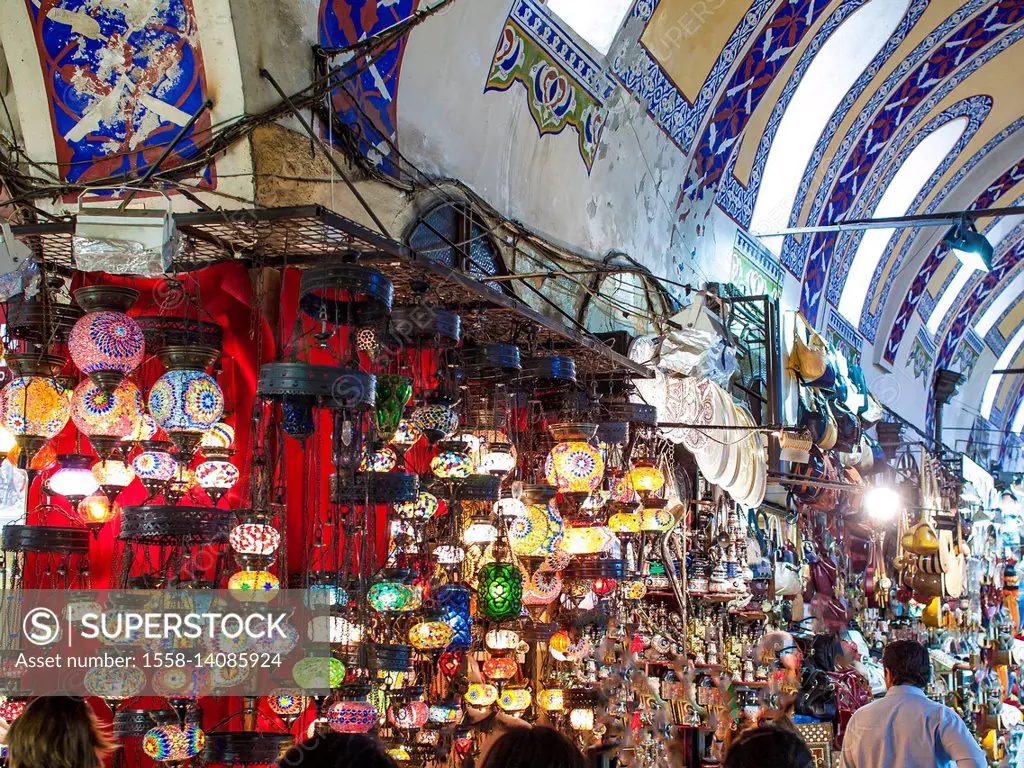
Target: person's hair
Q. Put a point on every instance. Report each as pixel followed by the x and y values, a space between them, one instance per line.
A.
pixel 57 732
pixel 337 750
pixel 907 662
pixel 537 747
pixel 774 745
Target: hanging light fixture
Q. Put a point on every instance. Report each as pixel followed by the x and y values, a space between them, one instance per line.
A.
pixel 972 248
pixel 96 510
pixel 254 586
pixel 106 417
pixel 174 744
pixel 431 635
pixel 379 460
pixel 481 531
pixel 254 543
pixel 143 429
pixel 186 401
pixel 393 394
pixel 105 343
pixel 453 462
pixel 423 507
pixel 453 602
pixel 574 465
pixel 436 420
pixel 74 479
pixel 113 475
pixel 155 466
pixel 406 435
pixel 352 716
pixel 645 479
pixel 216 475
pixel 219 436
pixel 34 407
pixel 499 591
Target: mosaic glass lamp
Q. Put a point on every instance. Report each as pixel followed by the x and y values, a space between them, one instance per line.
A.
pixel 217 477
pixel 407 434
pixel 433 635
pixel 254 542
pixel 155 466
pixel 515 700
pixel 625 522
pixel 114 684
pixel 287 704
pixel 143 429
pixel 582 719
pixel 453 462
pixel 481 695
pixel 409 716
pixel 453 600
pixel 220 435
pixel 445 713
pixel 96 510
pixel 551 699
pixel 35 409
pixel 318 672
pixel 437 421
pixel 500 591
pixel 383 460
pixel 113 476
pixel 423 507
pixel 480 532
pixel 393 597
pixel 645 478
pixel 172 744
pixel 187 401
pixel 254 586
pixel 105 343
pixel 352 716
pixel 393 394
pixel 74 479
pixel 500 668
pixel 574 466
pixel 537 533
pixel 106 417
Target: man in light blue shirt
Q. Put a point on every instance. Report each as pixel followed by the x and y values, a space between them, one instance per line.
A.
pixel 906 729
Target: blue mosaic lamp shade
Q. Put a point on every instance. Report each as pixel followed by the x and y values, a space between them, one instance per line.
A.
pixel 186 401
pixel 453 600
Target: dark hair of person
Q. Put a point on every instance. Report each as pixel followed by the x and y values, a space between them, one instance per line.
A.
pixel 337 750
pixel 57 732
pixel 907 662
pixel 769 745
pixel 537 747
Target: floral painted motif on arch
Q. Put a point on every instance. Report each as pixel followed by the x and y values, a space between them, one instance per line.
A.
pixel 565 86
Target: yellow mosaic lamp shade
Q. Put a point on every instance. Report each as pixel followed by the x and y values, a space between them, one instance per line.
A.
pixel 514 700
pixel 254 586
pixel 430 635
pixel 500 668
pixel 582 719
pixel 588 540
pixel 551 699
pixel 574 467
pixel 656 520
pixel 625 522
pixel 645 478
pixel 537 533
pixel 481 695
pixel 36 406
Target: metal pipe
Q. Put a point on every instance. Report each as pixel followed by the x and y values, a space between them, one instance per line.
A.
pixel 899 222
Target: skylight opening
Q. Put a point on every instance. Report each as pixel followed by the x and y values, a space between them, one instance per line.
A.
pixel 904 187
pixel 992 388
pixel 833 72
pixel 596 21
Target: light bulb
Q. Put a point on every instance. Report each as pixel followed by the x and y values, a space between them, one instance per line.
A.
pixel 882 502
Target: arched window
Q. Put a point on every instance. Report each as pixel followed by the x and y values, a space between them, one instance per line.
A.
pixel 833 72
pixel 596 21
pixel 453 234
pixel 904 187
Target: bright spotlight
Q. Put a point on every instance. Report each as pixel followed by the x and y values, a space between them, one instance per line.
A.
pixel 882 503
pixel 973 249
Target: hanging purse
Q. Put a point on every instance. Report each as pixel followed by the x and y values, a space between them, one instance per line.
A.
pixel 787 579
pixel 848 427
pixel 809 360
pixel 817 697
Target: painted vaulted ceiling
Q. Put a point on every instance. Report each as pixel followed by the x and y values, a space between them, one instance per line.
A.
pixel 672 130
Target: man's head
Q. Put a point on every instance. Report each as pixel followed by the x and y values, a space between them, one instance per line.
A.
pixel 906 662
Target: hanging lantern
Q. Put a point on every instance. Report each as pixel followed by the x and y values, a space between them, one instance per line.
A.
pixel 352 716
pixel 393 394
pixel 336 630
pixel 498 459
pixel 217 476
pixel 220 435
pixel 634 589
pixel 399 753
pixel 254 543
pixel 551 699
pixel 11 709
pixel 409 716
pixel 588 540
pixel 332 595
pixel 254 586
pixel 538 532
pixel 186 401
pixel 500 591
pixel 35 409
pixel 423 507
pixel 656 520
pixel 480 532
pixel 318 672
pixel 452 463
pixel 542 587
pixel 481 695
pixel 113 476
pixel 515 700
pixel 297 419
pixel 383 460
pixel 432 635
pixel 582 719
pixel 105 343
pixel 97 510
pixel 625 522
pixel 155 466
pixel 453 602
pixel 74 480
pixel 500 668
pixel 393 597
pixel 437 421
pixel 286 703
pixel 44 459
pixel 407 434
pixel 445 713
pixel 502 640
pixel 114 684
pixel 574 467
pixel 449 554
pixel 645 478
pixel 603 586
pixel 172 744
pixel 106 417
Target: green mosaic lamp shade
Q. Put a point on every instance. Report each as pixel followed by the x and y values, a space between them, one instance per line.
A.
pixel 500 591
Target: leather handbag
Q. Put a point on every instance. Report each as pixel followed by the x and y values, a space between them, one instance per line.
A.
pixel 817 696
pixel 848 429
pixel 921 539
pixel 813 469
pixel 809 360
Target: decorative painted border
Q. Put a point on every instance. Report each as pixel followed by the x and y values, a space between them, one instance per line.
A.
pixel 737 199
pixel 884 99
pixel 957 60
pixel 751 248
pixel 565 85
pixel 641 75
pixel 870 322
pixel 975 109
